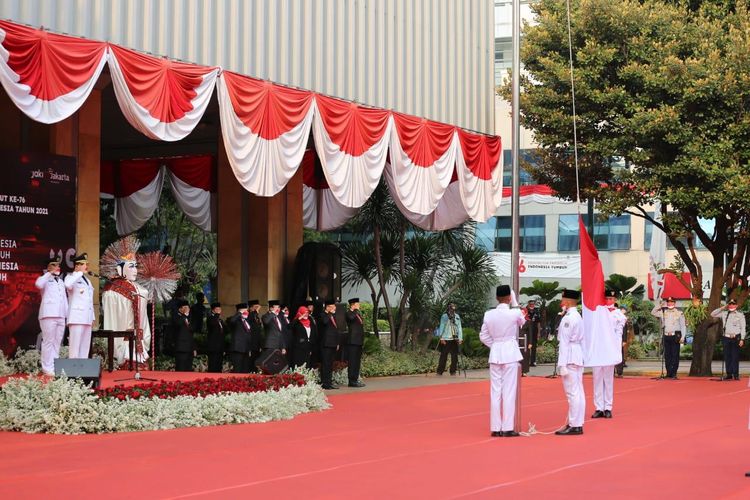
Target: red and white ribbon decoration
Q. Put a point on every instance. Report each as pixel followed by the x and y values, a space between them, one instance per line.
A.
pixel 479 164
pixel 320 209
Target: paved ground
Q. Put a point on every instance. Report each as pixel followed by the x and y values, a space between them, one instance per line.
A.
pixel 635 368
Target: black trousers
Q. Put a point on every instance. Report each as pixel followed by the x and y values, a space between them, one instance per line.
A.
pixel 671 354
pixel 533 340
pixel 451 346
pixel 731 355
pixel 354 358
pixel 183 361
pixel 327 355
pixel 215 362
pixel 621 365
pixel 240 362
pixel 253 357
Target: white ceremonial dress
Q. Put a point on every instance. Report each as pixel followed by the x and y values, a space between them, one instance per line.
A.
pixel 500 333
pixel 570 361
pixel 53 310
pixel 80 314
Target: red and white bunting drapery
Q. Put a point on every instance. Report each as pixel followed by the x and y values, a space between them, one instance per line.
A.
pixel 533 193
pixel 265 129
pixel 48 76
pixel 439 175
pixel 320 208
pixel 136 186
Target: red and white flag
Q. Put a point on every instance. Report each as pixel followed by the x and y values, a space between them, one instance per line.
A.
pixel 601 346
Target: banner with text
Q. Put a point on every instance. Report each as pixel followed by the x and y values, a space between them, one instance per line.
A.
pixel 38 210
pixel 541 265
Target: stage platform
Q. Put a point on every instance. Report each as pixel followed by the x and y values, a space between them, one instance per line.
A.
pixel 668 439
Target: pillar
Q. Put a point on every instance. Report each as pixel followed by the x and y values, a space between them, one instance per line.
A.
pixel 230 231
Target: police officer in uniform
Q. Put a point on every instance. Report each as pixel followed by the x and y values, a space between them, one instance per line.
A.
pixel 732 338
pixel 570 362
pixel 80 308
pixel 500 333
pixel 354 340
pixel 673 331
pixel 53 310
pixel 329 344
pixel 184 343
pixel 215 338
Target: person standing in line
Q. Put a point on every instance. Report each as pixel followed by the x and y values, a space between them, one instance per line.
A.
pixel 215 338
pixel 184 343
pixel 329 344
pixel 451 337
pixel 604 376
pixel 355 338
pixel 80 308
pixel 620 367
pixel 53 310
pixel 673 334
pixel 274 329
pixel 732 338
pixel 198 313
pixel 570 362
pixel 314 333
pixel 302 338
pixel 534 318
pixel 239 348
pixel 256 333
pixel 499 332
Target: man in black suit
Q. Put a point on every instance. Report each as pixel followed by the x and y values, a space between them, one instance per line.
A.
pixel 286 332
pixel 184 344
pixel 256 333
pixel 215 339
pixel 315 358
pixel 354 340
pixel 239 349
pixel 198 313
pixel 533 320
pixel 273 328
pixel 329 344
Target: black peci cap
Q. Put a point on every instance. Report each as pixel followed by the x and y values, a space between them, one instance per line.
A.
pixel 571 294
pixel 353 300
pixel 272 303
pixel 502 291
pixel 329 302
pixel 214 305
pixel 610 293
pixel 241 305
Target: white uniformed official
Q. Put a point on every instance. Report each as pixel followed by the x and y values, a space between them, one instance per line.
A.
pixel 732 337
pixel 673 334
pixel 604 376
pixel 80 308
pixel 500 333
pixel 570 361
pixel 53 310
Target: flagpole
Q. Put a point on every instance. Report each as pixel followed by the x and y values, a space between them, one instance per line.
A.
pixel 515 254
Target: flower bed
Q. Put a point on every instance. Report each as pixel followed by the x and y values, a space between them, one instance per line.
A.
pixel 67 406
pixel 203 387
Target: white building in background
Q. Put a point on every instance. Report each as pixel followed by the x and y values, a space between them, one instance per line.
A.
pixel 549 226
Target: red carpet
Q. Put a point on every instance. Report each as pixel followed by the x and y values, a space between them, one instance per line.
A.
pixel 669 439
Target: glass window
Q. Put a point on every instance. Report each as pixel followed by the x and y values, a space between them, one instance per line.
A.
pixel 610 233
pixel 708 226
pixel 531 232
pixel 486 233
pixel 527 155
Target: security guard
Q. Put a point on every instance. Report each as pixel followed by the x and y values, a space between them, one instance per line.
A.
pixel 570 362
pixel 52 313
pixel 500 333
pixel 81 308
pixel 733 334
pixel 673 331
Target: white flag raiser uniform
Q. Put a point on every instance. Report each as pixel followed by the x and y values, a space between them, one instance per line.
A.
pixel 52 313
pixel 607 352
pixel 570 361
pixel 500 333
pixel 80 314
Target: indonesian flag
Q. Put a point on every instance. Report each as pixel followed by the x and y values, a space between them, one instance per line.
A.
pixel 601 344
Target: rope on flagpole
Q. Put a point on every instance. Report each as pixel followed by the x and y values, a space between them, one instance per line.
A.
pixel 573 98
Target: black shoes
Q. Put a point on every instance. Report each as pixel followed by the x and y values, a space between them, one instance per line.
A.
pixel 736 377
pixel 496 434
pixel 607 413
pixel 570 431
pixel 510 434
pixel 356 384
pixel 598 414
pixel 330 387
pixel 727 377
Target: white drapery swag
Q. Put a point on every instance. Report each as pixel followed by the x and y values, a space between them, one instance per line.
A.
pixel 321 211
pixel 481 198
pixel 198 204
pixel 262 166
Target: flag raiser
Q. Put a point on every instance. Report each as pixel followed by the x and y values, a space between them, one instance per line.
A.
pixel 601 344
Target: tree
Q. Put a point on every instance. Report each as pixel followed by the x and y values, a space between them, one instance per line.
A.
pixel 663 87
pixel 625 286
pixel 544 291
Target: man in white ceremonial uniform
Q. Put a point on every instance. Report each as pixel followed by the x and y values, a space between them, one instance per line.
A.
pixel 53 310
pixel 570 362
pixel 604 374
pixel 124 308
pixel 500 333
pixel 80 308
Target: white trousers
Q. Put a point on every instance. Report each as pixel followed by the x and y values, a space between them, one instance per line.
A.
pixel 503 385
pixel 53 330
pixel 573 385
pixel 79 340
pixel 604 387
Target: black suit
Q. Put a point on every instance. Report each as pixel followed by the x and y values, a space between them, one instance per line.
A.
pixel 197 314
pixel 184 344
pixel 354 340
pixel 534 319
pixel 286 333
pixel 274 332
pixel 302 344
pixel 256 338
pixel 239 349
pixel 329 343
pixel 215 342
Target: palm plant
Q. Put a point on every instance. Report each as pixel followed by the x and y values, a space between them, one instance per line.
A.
pixel 544 291
pixel 625 286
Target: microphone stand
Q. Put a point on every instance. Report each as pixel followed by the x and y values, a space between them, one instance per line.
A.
pixel 557 347
pixel 724 352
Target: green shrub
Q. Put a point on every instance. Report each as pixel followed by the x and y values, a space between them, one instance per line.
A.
pixel 472 346
pixel 383 326
pixel 546 352
pixel 366 309
pixel 388 363
pixel 636 350
pixel 372 344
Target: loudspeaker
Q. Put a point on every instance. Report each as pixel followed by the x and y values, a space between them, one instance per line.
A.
pixel 271 362
pixel 325 278
pixel 89 370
